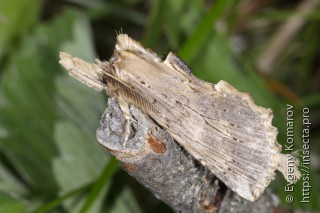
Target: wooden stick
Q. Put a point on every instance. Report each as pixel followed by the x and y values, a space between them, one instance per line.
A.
pixel 159 163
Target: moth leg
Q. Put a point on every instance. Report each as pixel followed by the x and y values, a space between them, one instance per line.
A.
pixel 124 106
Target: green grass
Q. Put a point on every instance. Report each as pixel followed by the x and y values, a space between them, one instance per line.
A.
pixel 50 159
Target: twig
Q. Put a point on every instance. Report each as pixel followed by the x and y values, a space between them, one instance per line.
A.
pixel 171 174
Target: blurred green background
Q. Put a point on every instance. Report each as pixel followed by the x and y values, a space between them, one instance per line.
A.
pixel 50 159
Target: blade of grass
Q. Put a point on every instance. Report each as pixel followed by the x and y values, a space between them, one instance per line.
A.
pixel 51 205
pixel 98 185
pixel 96 188
pixel 152 31
pixel 193 44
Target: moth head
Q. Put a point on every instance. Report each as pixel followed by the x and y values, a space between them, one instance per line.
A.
pixel 125 43
pixel 90 74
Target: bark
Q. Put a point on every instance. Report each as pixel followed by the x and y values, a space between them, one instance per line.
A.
pixel 159 163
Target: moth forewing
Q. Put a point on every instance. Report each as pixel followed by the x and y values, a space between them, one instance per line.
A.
pixel 218 125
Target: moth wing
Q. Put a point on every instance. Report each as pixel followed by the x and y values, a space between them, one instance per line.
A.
pixel 220 126
pixel 236 142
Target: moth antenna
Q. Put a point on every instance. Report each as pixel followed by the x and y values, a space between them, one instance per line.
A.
pixel 118 88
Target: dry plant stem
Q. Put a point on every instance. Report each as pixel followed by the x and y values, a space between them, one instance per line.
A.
pixel 284 36
pixel 152 157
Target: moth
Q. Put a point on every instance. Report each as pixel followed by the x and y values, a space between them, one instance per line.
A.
pixel 218 125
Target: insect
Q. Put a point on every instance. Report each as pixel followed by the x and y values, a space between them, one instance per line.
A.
pixel 218 125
